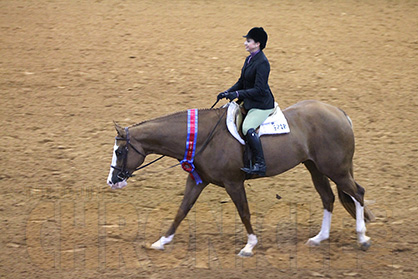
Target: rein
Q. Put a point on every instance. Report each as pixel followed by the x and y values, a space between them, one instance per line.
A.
pixel 208 139
pixel 124 173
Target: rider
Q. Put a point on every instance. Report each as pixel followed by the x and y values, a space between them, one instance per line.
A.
pixel 252 88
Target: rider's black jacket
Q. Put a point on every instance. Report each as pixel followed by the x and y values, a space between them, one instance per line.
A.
pixel 252 86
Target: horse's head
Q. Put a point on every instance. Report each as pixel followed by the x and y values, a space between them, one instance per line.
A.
pixel 127 156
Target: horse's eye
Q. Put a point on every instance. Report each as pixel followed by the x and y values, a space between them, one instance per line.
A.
pixel 118 152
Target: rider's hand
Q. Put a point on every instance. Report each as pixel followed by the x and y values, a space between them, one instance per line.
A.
pixel 222 95
pixel 232 95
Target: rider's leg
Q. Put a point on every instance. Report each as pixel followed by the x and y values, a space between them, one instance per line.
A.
pixel 255 118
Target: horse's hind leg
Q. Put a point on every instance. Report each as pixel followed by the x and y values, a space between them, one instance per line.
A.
pixel 191 194
pixel 323 187
pixel 352 197
pixel 363 239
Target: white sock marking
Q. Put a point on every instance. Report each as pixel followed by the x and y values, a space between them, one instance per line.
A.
pixel 325 229
pixel 247 251
pixel 159 244
pixel 360 224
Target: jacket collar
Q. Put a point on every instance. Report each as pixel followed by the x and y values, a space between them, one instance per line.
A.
pixel 254 56
pixel 255 53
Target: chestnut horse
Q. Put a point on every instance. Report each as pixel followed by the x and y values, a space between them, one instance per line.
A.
pixel 321 138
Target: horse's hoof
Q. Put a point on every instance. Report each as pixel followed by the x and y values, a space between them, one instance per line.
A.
pixel 157 246
pixel 365 245
pixel 312 243
pixel 245 254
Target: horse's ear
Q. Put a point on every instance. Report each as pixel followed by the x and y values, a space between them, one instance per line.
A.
pixel 119 129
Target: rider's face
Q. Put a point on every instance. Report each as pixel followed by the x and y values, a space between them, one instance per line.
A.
pixel 251 46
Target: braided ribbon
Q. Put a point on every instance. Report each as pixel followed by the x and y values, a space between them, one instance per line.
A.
pixel 187 162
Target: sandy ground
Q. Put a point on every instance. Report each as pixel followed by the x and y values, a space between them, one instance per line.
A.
pixel 69 68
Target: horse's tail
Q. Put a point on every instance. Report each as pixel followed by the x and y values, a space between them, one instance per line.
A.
pixel 349 205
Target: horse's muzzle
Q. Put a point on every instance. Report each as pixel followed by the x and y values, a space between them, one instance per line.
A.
pixel 117 185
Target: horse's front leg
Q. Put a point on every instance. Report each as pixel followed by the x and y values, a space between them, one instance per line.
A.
pixel 191 194
pixel 238 196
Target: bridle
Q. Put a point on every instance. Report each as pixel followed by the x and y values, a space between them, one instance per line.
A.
pixel 124 173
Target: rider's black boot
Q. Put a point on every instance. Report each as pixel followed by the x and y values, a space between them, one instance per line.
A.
pixel 254 142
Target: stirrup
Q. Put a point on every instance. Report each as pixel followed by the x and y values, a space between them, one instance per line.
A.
pixel 256 169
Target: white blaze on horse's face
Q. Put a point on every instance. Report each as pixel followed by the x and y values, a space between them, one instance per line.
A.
pixel 120 184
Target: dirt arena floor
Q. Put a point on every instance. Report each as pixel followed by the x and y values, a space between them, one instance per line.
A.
pixel 69 68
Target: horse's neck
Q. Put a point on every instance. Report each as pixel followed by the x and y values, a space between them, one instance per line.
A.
pixel 160 137
pixel 167 135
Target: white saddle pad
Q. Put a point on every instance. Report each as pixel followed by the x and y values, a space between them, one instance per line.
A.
pixel 274 124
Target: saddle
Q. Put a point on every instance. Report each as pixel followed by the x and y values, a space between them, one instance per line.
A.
pixel 276 123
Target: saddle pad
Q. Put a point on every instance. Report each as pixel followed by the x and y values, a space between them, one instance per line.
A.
pixel 276 123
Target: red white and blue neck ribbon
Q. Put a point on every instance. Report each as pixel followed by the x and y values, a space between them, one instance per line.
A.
pixel 187 162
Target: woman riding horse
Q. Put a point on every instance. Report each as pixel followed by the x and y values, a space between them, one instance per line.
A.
pixel 252 88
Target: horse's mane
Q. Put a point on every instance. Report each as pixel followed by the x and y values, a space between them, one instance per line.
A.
pixel 171 115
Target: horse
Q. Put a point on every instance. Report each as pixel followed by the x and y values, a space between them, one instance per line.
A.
pixel 321 138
